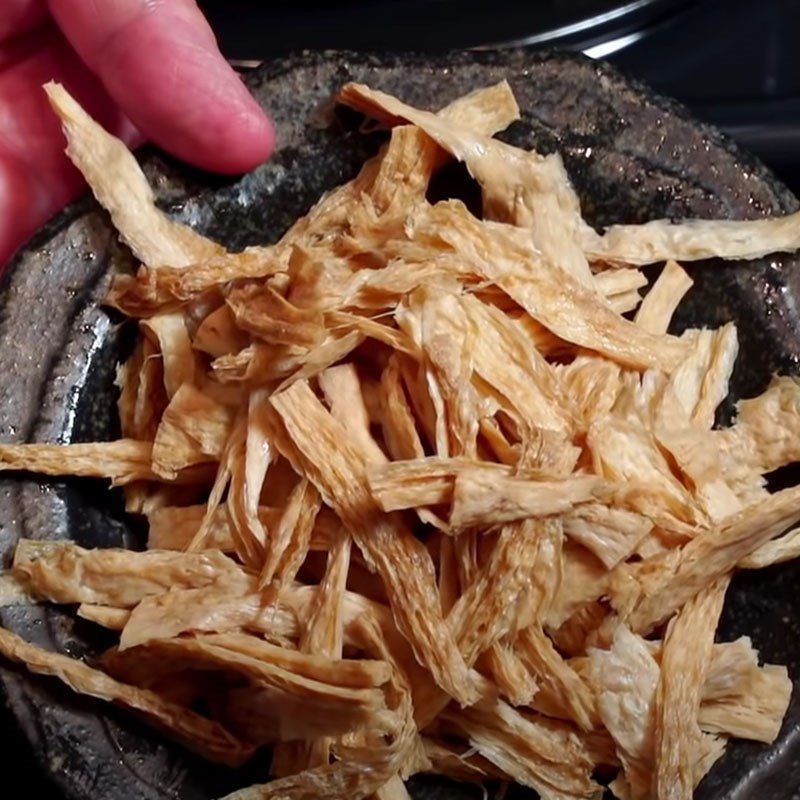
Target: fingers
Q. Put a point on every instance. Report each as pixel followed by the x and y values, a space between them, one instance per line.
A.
pixel 20 16
pixel 36 179
pixel 158 59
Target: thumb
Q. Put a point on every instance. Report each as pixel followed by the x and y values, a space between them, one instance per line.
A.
pixel 159 60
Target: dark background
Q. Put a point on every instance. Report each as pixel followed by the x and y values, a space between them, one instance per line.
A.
pixel 735 63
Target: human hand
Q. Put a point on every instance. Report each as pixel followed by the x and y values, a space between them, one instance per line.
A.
pixel 146 69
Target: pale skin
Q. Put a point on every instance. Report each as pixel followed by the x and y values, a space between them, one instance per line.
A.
pixel 146 69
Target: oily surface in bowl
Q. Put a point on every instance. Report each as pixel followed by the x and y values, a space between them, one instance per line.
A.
pixel 631 159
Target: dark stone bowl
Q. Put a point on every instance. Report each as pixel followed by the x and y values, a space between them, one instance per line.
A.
pixel 632 156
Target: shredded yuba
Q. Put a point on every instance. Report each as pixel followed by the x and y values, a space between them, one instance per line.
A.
pixel 426 492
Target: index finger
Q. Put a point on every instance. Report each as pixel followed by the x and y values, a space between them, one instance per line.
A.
pixel 159 60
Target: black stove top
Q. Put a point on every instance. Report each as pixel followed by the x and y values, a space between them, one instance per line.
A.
pixel 733 62
pixel 427 24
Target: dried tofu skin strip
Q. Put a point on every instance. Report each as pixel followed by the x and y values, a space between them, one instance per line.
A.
pixel 343 391
pixel 271 661
pixel 542 754
pixel 506 361
pixel 714 389
pixel 486 111
pixel 660 303
pixel 248 473
pixel 234 451
pixel 174 527
pixel 487 498
pixel 115 619
pixel 756 713
pixel 159 288
pixel 204 736
pixel 574 698
pixel 121 188
pixel 332 461
pixel 430 318
pixel 172 338
pixel 498 599
pixel 709 556
pixel 266 314
pixel 700 383
pixel 397 420
pixel 325 632
pixel 208 610
pixel 364 766
pixel 292 531
pixel 423 481
pixel 66 573
pixel 501 664
pixel 406 165
pixel 591 386
pixel 767 429
pixel 301 705
pixel 501 598
pixel 620 282
pixel 778 551
pixel 325 625
pixel 405 169
pixel 193 430
pixel 151 396
pixel 531 190
pixel 579 578
pixel 122 461
pixel 626 454
pixel 555 300
pixel 685 660
pixel 626 680
pixel 693 240
pixel 612 534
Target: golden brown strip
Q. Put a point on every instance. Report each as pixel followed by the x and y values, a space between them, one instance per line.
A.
pixel 67 573
pixel 123 461
pixel 685 659
pixel 712 554
pixel 778 551
pixel 214 609
pixel 488 498
pixel 324 634
pixel 557 301
pixel 421 482
pixel 292 530
pixel 694 240
pixel 543 660
pixel 522 187
pixel 193 430
pixel 756 713
pixel 115 619
pixel 336 466
pixel 174 527
pixel 205 737
pixel 660 302
pixel 121 188
pixel 543 754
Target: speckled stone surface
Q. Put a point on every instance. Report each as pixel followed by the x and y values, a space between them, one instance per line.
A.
pixel 632 157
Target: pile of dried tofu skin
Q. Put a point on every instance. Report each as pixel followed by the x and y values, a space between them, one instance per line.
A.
pixel 426 492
